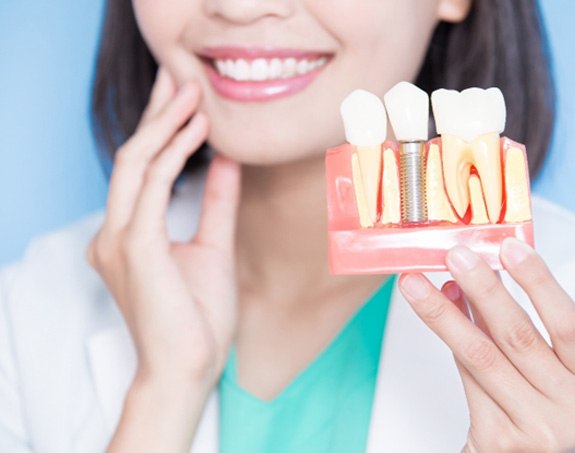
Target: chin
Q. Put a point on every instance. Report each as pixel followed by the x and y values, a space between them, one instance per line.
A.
pixel 253 148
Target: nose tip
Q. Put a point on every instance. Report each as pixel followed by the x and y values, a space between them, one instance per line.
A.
pixel 248 11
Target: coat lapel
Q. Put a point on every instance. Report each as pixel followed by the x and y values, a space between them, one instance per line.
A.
pixel 419 403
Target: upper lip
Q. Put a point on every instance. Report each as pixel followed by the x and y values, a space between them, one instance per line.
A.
pixel 252 53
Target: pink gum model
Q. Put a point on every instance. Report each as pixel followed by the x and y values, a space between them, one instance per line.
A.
pixel 384 249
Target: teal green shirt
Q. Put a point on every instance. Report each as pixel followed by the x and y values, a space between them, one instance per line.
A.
pixel 326 408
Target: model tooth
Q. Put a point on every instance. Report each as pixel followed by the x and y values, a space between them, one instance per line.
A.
pixel 478 211
pixel 518 206
pixel 470 123
pixel 364 119
pixel 438 207
pixel 469 113
pixel 365 124
pixel 391 210
pixel 408 110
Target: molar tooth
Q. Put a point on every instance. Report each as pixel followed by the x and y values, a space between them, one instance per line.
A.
pixel 470 123
pixel 365 123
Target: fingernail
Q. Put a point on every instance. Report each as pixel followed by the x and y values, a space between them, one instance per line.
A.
pixel 514 251
pixel 452 292
pixel 415 286
pixel 462 259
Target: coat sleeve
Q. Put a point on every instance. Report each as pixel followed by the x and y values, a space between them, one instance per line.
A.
pixel 13 436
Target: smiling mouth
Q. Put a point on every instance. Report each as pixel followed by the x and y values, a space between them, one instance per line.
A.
pixel 255 74
pixel 266 69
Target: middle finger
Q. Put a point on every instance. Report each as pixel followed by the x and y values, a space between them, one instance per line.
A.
pixel 509 325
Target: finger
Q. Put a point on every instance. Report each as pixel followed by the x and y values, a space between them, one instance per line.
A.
pixel 478 354
pixel 149 215
pixel 134 157
pixel 221 197
pixel 457 296
pixel 482 409
pixel 163 90
pixel 510 326
pixel 554 306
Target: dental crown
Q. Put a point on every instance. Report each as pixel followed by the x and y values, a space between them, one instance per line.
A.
pixel 470 113
pixel 408 110
pixel 364 119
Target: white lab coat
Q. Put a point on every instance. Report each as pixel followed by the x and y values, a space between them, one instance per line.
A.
pixel 66 357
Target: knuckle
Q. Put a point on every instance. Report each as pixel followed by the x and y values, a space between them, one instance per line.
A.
pixel 538 276
pixel 522 336
pixel 434 311
pixel 480 354
pixel 490 289
pixel 159 174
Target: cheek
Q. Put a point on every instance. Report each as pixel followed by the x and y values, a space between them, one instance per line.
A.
pixel 160 23
pixel 382 41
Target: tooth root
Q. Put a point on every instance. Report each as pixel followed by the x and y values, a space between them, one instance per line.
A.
pixel 391 211
pixel 487 161
pixel 457 161
pixel 370 168
pixel 438 207
pixel 518 206
pixel 483 153
pixel 478 211
pixel 360 199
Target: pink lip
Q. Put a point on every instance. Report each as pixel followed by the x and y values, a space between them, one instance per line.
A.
pixel 257 91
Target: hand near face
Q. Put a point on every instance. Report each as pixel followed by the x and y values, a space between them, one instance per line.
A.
pixel 520 391
pixel 178 299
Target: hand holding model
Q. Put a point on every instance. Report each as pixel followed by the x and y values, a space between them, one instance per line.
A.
pixel 461 205
pixel 520 390
pixel 181 322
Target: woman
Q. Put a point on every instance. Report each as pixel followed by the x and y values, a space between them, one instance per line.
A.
pixel 128 358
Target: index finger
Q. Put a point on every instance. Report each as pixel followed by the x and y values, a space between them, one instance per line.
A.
pixel 163 90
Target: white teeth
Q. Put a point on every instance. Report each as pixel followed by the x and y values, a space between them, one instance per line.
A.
pixel 364 119
pixel 469 114
pixel 408 110
pixel 260 69
pixel 242 70
pixel 469 124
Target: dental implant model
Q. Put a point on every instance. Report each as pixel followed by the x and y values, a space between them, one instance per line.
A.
pixel 397 206
pixel 408 108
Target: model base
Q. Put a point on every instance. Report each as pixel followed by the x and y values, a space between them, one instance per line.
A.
pixel 388 250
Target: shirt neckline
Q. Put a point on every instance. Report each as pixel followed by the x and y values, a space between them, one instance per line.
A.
pixel 229 376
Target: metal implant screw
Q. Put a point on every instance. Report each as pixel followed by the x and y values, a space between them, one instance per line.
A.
pixel 413 194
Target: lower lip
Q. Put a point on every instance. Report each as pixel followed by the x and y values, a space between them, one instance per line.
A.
pixel 259 91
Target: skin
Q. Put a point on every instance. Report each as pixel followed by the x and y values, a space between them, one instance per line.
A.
pixel 279 313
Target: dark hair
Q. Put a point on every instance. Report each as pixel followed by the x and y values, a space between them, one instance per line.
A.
pixel 500 43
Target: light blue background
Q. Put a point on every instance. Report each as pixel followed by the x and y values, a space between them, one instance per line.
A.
pixel 49 170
